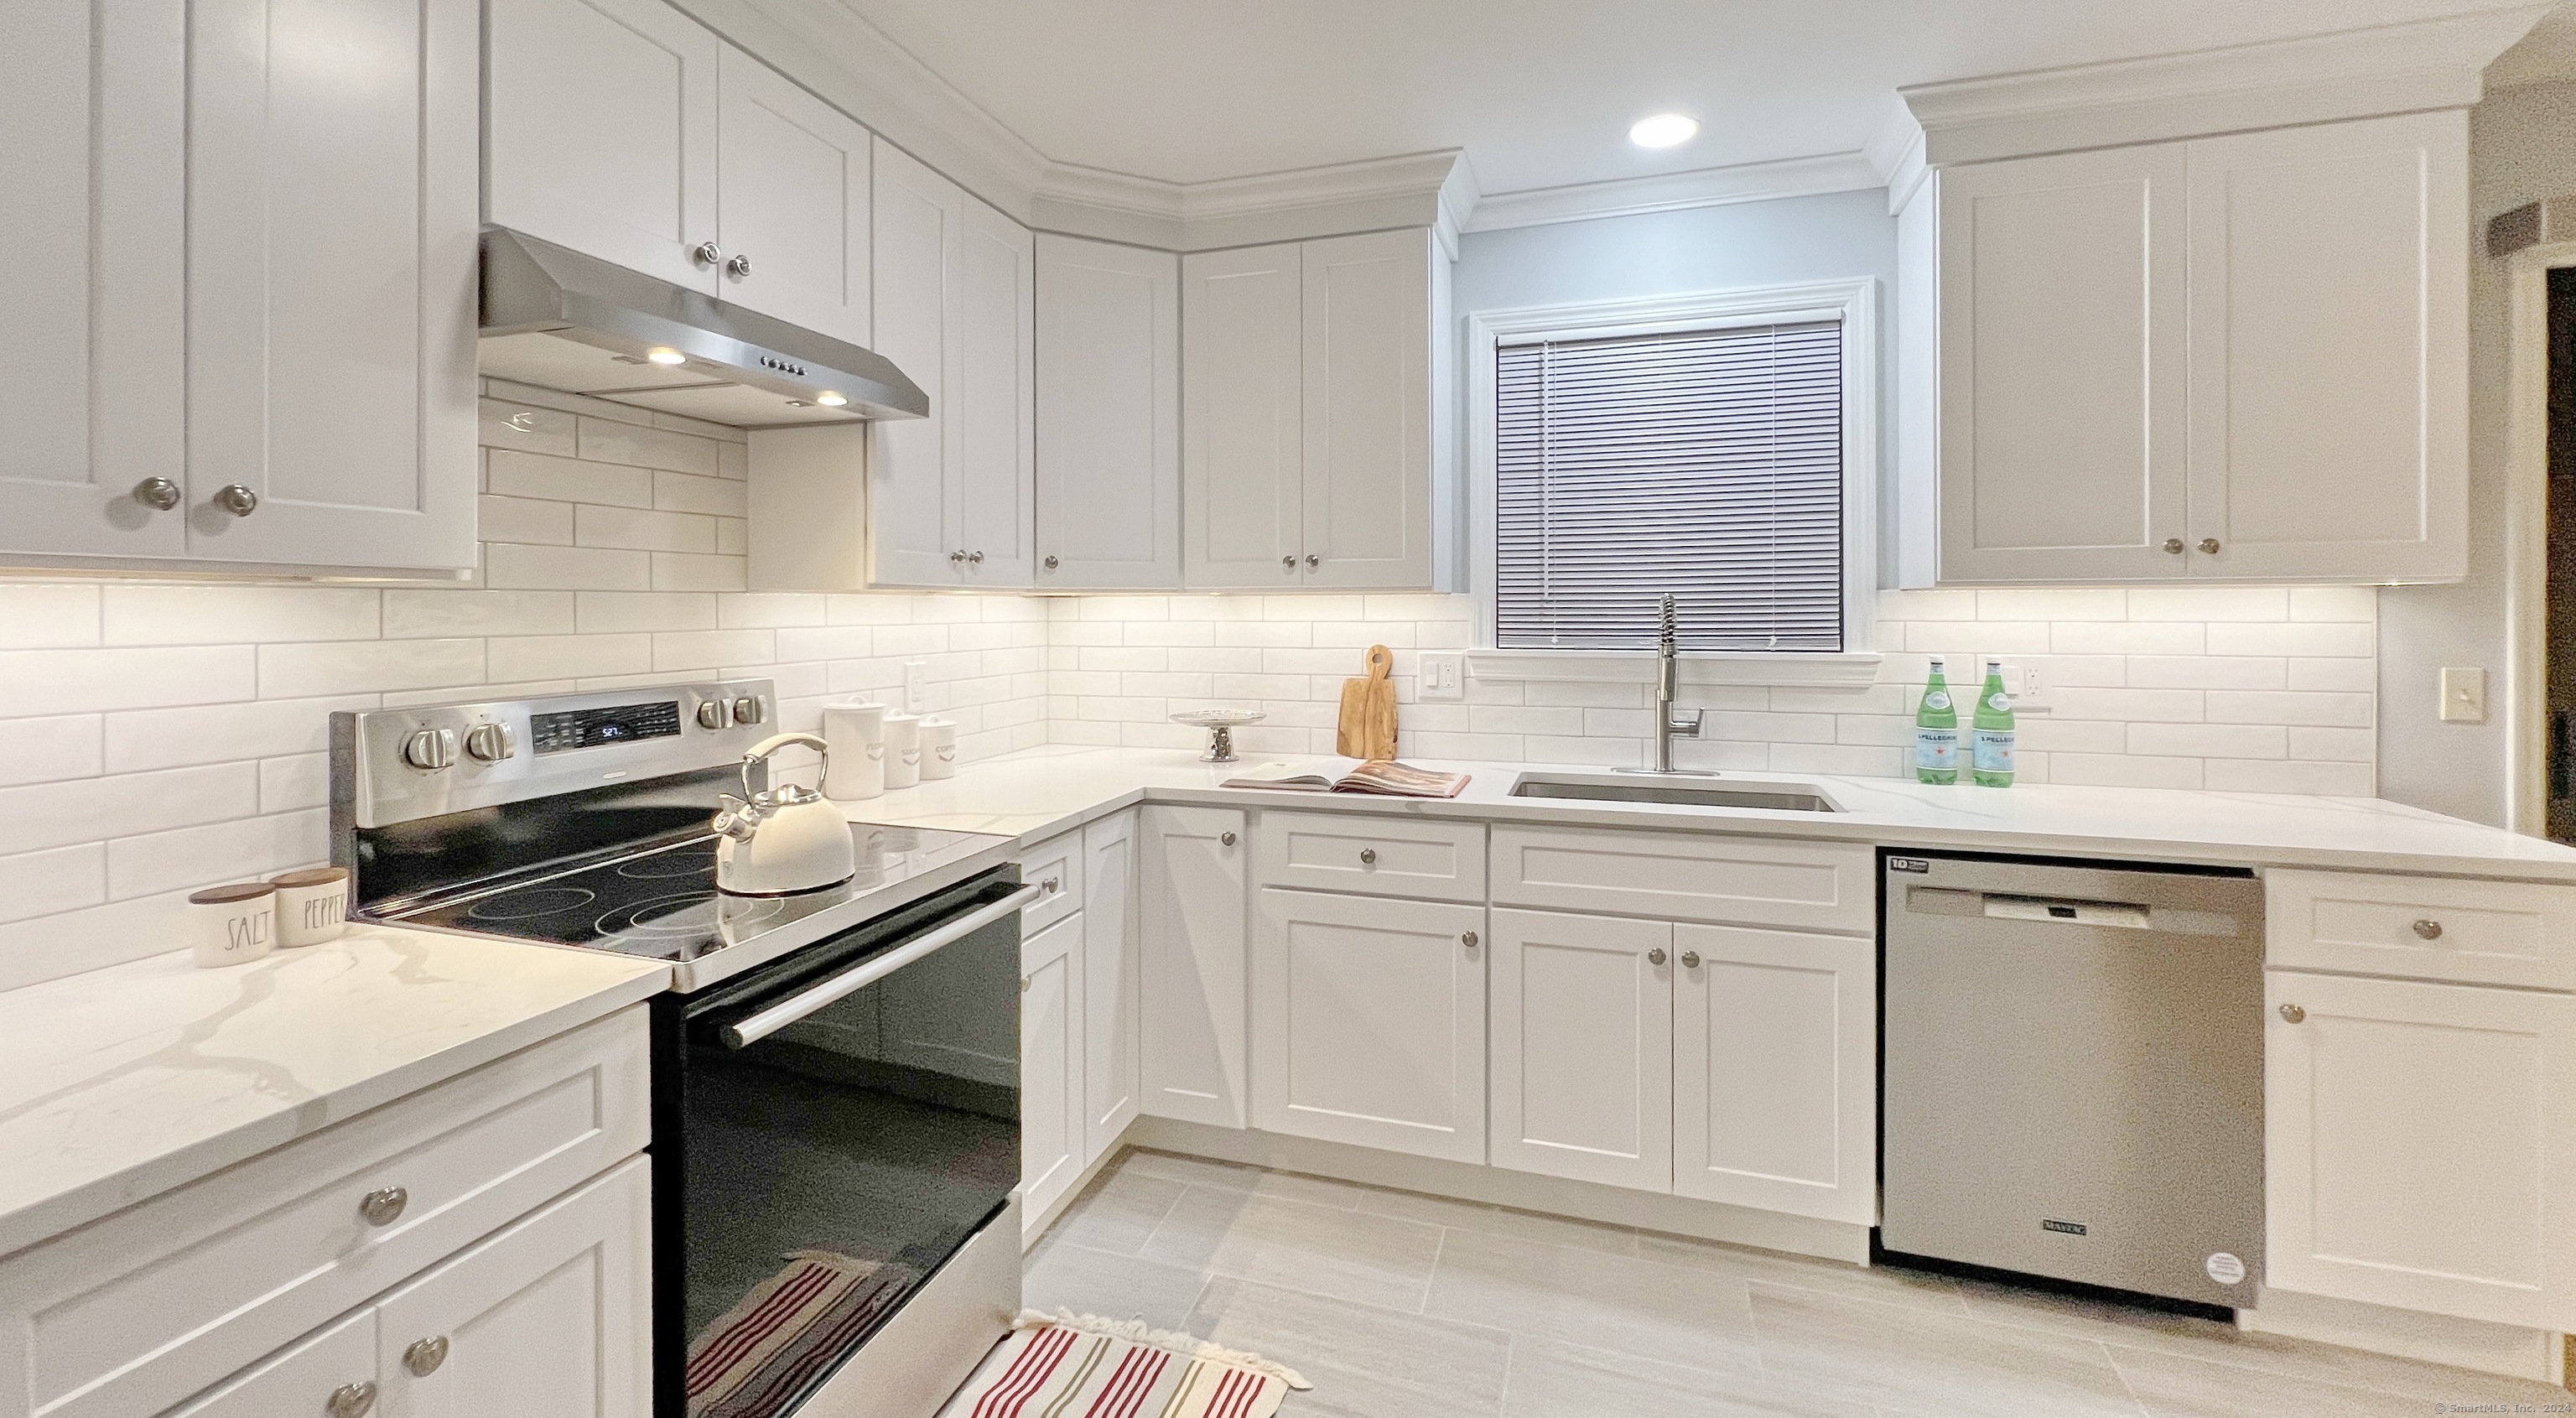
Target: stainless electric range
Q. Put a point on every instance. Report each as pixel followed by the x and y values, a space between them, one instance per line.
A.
pixel 835 1073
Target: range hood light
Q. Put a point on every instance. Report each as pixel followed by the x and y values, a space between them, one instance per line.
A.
pixel 829 399
pixel 664 354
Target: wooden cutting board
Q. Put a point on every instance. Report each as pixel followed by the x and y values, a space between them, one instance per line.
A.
pixel 1368 711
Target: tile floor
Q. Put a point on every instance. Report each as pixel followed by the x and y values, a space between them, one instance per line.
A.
pixel 1404 1306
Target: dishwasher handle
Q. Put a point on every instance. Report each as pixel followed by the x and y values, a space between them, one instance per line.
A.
pixel 2119 915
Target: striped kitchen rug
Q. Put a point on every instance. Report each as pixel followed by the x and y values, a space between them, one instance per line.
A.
pixel 1068 1366
pixel 760 1357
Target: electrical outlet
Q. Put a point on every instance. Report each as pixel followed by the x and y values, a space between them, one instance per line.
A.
pixel 2464 696
pixel 916 685
pixel 2028 686
pixel 1443 675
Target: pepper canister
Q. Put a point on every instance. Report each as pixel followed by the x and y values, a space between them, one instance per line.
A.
pixel 312 905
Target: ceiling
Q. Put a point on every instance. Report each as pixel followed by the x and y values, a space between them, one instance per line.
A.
pixel 1539 94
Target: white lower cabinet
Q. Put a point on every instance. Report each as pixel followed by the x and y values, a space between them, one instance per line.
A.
pixel 1582 1067
pixel 1110 978
pixel 1051 1071
pixel 2416 1140
pixel 1368 1022
pixel 302 1380
pixel 1775 1047
pixel 1191 920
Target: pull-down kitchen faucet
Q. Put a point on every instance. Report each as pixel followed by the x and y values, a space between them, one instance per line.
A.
pixel 1670 723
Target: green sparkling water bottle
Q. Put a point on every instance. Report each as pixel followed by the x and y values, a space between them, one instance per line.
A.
pixel 1936 732
pixel 1993 752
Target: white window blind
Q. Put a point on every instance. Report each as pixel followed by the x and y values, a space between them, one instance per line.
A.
pixel 1703 463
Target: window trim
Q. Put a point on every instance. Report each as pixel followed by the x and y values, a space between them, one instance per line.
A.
pixel 1853 303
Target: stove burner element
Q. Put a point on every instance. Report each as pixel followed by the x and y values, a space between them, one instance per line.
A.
pixel 529 903
pixel 688 914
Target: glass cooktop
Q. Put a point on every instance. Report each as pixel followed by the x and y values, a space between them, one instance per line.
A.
pixel 662 904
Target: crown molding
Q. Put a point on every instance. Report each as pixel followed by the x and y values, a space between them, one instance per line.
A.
pixel 2400 68
pixel 1895 153
pixel 1675 191
pixel 1417 189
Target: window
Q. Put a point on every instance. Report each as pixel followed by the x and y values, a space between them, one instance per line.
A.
pixel 1716 447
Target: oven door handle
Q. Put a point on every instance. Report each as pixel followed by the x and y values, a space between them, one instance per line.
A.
pixel 752 1028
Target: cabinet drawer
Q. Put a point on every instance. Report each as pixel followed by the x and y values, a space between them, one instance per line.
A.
pixel 1430 861
pixel 1058 860
pixel 134 1312
pixel 1746 881
pixel 2430 928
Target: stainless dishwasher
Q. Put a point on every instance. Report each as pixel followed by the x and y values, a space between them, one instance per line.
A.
pixel 2073 1072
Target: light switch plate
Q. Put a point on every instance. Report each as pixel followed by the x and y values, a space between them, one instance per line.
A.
pixel 2464 696
pixel 1443 675
pixel 916 685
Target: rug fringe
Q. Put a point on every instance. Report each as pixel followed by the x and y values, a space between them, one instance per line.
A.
pixel 1139 1332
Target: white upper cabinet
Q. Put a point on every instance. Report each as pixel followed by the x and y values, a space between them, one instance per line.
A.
pixel 93 199
pixel 792 203
pixel 1108 415
pixel 331 281
pixel 2329 384
pixel 1315 426
pixel 251 277
pixel 951 498
pixel 602 129
pixel 2237 358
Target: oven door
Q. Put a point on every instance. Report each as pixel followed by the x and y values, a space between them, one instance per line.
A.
pixel 832 1132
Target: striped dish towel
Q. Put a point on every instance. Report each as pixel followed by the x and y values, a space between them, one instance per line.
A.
pixel 759 1358
pixel 1063 1366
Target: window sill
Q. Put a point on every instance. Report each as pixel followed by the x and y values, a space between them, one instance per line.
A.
pixel 1847 670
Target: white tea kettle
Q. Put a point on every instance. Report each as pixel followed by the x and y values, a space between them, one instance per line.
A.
pixel 784 840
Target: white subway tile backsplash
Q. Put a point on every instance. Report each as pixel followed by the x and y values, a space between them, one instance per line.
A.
pixel 515 474
pixel 42 815
pixel 417 615
pixel 138 740
pixel 509 566
pixel 640 530
pixel 39 884
pixel 78 680
pixel 364 666
pixel 525 519
pixel 607 441
pixel 244 850
pixel 233 615
pixel 690 571
pixel 41 617
pixel 546 657
pixel 2346 639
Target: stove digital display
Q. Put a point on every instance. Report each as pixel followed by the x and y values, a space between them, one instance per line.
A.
pixel 594 728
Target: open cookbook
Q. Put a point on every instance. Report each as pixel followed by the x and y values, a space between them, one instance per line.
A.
pixel 1378 775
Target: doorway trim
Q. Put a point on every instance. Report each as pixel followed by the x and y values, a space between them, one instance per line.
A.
pixel 2526 523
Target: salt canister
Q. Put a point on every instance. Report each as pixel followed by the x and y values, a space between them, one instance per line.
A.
pixel 938 748
pixel 902 750
pixel 854 759
pixel 232 925
pixel 312 905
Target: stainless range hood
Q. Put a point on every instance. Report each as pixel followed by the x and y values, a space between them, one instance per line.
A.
pixel 557 319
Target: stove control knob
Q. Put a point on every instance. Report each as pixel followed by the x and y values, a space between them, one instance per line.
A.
pixel 749 710
pixel 491 742
pixel 715 714
pixel 430 749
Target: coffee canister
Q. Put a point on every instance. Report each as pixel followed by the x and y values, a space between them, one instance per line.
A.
pixel 854 758
pixel 312 905
pixel 232 925
pixel 902 750
pixel 938 748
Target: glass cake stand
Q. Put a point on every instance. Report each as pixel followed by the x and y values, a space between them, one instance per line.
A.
pixel 1220 724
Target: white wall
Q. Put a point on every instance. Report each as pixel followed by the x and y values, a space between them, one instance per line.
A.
pixel 2522 149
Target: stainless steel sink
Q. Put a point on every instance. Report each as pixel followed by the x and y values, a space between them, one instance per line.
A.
pixel 1644 788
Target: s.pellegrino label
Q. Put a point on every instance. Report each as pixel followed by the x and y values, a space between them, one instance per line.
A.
pixel 1936 732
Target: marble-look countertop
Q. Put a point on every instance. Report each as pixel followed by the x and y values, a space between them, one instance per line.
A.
pixel 120 1084
pixel 1039 792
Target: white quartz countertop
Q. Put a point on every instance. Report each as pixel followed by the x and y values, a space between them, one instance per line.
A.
pixel 1039 792
pixel 122 1083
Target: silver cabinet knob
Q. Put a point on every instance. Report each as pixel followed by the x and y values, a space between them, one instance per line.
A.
pixel 2209 545
pixel 1051 885
pixel 2173 546
pixel 956 556
pixel 707 253
pixel 1288 562
pixel 351 1400
pixel 2293 1013
pixel 2429 930
pixel 1313 561
pixel 237 499
pixel 1467 939
pixel 159 494
pixel 384 1207
pixel 491 743
pixel 423 1356
pixel 1690 959
pixel 974 558
pixel 1050 563
pixel 1368 856
pixel 749 710
pixel 714 714
pixel 430 749
pixel 1655 956
pixel 739 267
pixel 1225 838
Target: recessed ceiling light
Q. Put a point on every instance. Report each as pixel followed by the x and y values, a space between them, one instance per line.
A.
pixel 1664 130
pixel 664 354
pixel 830 400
